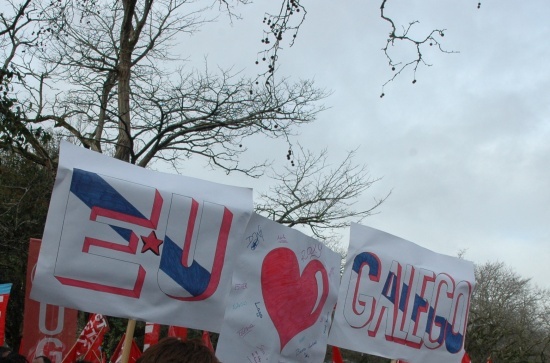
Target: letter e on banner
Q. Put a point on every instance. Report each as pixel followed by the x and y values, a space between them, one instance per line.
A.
pixel 107 211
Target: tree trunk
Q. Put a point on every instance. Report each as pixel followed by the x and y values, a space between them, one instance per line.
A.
pixel 124 142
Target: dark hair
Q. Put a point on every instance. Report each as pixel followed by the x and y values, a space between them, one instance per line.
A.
pixel 173 350
pixel 44 359
pixel 14 357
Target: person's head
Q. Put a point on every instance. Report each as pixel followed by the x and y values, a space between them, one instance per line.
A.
pixel 173 350
pixel 14 357
pixel 41 359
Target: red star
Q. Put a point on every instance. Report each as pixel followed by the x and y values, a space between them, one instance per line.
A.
pixel 152 243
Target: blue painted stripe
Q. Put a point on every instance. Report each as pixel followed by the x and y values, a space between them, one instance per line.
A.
pixel 94 191
pixel 366 258
pixel 194 279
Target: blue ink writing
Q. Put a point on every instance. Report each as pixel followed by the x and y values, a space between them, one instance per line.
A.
pixel 259 313
pixel 312 252
pixel 254 239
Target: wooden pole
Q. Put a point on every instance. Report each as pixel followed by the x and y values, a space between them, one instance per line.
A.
pixel 127 344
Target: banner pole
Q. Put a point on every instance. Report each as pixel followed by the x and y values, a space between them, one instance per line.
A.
pixel 65 357
pixel 127 345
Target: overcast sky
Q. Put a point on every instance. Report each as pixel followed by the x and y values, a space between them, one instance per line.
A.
pixel 465 151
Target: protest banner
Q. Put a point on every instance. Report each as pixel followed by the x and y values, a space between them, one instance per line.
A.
pixel 48 330
pixel 130 242
pixel 282 297
pixel 399 300
pixel 4 297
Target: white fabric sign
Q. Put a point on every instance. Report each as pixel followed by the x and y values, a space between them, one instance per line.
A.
pixel 130 242
pixel 282 297
pixel 401 301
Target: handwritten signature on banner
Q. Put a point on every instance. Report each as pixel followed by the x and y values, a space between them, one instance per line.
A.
pixel 259 312
pixel 245 330
pixel 257 355
pixel 239 304
pixel 312 252
pixel 254 239
pixel 326 321
pixel 241 286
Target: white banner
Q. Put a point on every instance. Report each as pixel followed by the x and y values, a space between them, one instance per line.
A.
pixel 129 242
pixel 282 297
pixel 401 301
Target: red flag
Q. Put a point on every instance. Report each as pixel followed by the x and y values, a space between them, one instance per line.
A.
pixel 337 355
pixel 178 332
pixel 466 358
pixel 206 340
pixel 88 344
pixel 135 353
pixel 152 332
pixel 4 296
pixel 94 353
pixel 48 330
pixel 489 360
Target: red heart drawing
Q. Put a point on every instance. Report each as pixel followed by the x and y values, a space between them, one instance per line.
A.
pixel 290 297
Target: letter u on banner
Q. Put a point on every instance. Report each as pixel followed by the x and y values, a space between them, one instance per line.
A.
pixel 194 248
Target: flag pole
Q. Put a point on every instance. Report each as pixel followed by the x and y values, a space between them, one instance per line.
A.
pixel 127 345
pixel 70 351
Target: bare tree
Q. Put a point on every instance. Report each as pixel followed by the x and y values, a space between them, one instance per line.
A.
pixel 286 23
pixel 118 99
pixel 103 74
pixel 100 71
pixel 21 29
pixel 315 194
pixel 509 318
pixel 419 43
pixel 107 82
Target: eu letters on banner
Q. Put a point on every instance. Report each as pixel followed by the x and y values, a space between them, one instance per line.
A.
pixel 134 237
